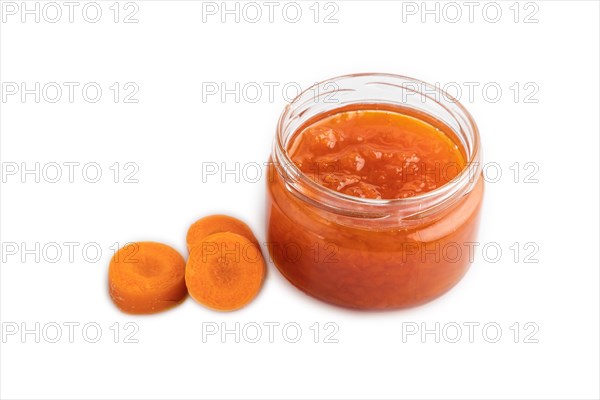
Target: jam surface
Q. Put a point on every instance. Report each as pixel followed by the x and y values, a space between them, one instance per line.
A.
pixel 376 154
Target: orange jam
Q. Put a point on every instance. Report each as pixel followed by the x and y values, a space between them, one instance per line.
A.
pixel 374 203
pixel 376 154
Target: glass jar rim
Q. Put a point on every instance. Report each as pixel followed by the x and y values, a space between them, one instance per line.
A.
pixel 439 196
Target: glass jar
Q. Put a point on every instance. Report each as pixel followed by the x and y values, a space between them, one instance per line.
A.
pixel 371 253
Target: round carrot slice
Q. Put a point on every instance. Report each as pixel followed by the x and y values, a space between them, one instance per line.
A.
pixel 215 224
pixel 225 271
pixel 146 277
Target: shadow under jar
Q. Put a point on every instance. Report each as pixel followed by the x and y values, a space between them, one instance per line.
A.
pixel 373 253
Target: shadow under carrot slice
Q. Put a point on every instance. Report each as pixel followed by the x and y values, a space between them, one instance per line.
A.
pixel 146 278
pixel 225 271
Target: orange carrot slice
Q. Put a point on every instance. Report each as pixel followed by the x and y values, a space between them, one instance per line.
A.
pixel 225 271
pixel 215 224
pixel 146 278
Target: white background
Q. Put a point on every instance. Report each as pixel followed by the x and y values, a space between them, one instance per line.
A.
pixel 171 54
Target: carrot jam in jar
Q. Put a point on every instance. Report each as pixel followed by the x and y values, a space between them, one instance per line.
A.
pixel 374 192
pixel 376 154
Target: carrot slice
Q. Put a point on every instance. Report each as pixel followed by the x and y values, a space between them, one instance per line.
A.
pixel 146 278
pixel 215 224
pixel 225 271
